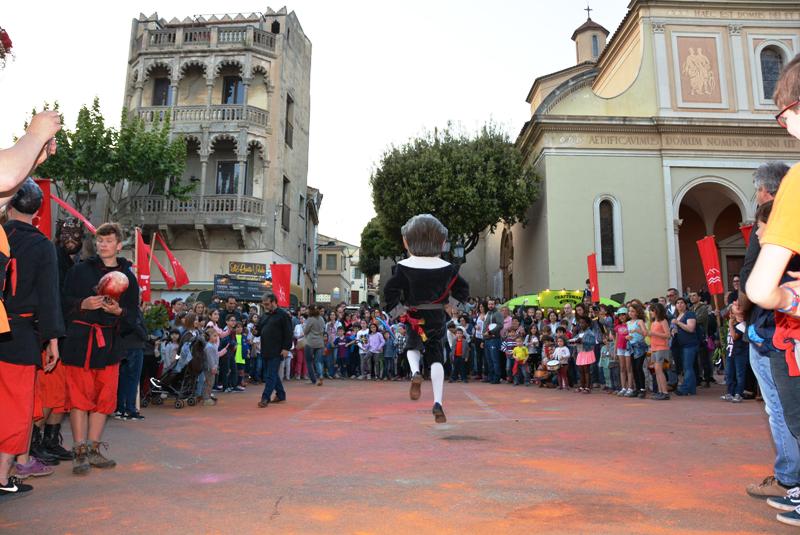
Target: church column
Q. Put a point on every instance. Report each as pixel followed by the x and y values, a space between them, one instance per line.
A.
pixel 673 252
pixel 739 76
pixel 660 49
pixel 676 226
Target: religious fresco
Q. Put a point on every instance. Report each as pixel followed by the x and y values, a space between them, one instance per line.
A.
pixel 699 70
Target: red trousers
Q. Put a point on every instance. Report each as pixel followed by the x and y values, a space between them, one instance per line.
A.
pixel 53 388
pixel 299 367
pixel 17 395
pixel 92 390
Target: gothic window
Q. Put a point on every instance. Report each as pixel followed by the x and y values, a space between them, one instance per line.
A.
pixel 161 92
pixel 607 233
pixel 232 90
pixel 771 65
pixel 595 46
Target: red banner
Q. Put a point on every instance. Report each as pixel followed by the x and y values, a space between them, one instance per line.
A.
pixel 591 260
pixel 746 231
pixel 43 219
pixel 72 211
pixel 143 267
pixel 281 282
pixel 710 259
pixel 181 278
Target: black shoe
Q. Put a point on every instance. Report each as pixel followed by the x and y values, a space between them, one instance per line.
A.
pixel 14 487
pixel 38 450
pixel 438 413
pixel 134 416
pixel 52 442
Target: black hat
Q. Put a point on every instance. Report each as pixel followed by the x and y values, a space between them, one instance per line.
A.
pixel 28 198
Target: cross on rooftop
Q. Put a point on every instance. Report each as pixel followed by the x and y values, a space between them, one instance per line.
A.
pixel 588 11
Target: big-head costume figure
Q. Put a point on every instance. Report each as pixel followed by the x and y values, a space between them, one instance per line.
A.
pixel 417 293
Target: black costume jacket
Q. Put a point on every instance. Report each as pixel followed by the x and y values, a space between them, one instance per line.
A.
pixel 420 281
pixel 275 330
pixel 94 336
pixel 34 309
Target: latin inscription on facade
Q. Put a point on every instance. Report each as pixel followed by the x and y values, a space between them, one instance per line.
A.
pixel 674 142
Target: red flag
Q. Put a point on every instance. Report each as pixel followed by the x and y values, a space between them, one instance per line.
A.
pixel 164 273
pixel 143 266
pixel 181 278
pixel 710 259
pixel 746 230
pixel 591 260
pixel 75 213
pixel 281 280
pixel 43 219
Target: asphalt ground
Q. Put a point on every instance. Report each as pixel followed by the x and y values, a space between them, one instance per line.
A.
pixel 360 457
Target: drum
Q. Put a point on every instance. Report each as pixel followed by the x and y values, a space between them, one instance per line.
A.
pixel 553 365
pixel 541 374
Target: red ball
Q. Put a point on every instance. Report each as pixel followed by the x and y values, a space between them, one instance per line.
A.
pixel 113 284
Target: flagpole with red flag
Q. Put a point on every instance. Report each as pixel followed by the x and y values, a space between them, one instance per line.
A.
pixel 591 260
pixel 746 231
pixel 181 278
pixel 142 267
pixel 710 259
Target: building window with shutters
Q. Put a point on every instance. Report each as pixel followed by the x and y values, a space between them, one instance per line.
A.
pixel 286 210
pixel 330 262
pixel 608 233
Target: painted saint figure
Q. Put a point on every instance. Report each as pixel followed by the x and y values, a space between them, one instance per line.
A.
pixel 417 293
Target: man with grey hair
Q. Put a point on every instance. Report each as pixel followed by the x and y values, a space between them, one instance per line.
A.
pixel 417 293
pixel 764 363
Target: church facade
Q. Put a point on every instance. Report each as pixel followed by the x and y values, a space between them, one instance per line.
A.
pixel 644 146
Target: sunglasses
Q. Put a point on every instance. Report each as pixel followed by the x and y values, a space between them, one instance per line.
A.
pixel 780 118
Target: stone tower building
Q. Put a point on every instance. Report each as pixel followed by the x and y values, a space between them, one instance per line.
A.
pixel 237 88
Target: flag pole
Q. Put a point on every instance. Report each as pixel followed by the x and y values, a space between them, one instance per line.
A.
pixel 136 231
pixel 152 250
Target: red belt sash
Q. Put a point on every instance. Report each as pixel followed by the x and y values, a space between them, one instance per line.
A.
pixel 95 333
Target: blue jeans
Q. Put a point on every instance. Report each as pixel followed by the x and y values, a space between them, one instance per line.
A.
pixel 314 362
pixel 688 357
pixel 492 349
pixel 787 449
pixel 272 382
pixel 130 372
pixel 736 369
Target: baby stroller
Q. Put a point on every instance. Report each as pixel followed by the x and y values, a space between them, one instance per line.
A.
pixel 179 378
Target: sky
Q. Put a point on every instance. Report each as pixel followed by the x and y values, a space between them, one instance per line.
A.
pixel 381 72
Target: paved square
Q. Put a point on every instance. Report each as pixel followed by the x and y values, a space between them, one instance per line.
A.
pixel 355 457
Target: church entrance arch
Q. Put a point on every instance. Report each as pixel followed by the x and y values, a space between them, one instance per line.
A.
pixel 507 263
pixel 709 206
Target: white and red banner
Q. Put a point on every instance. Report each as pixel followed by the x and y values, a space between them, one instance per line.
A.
pixel 710 258
pixel 143 267
pixel 281 282
pixel 591 261
pixel 43 219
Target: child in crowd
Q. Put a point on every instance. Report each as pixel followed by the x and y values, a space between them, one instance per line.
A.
pixel 586 358
pixel 609 365
pixel 400 347
pixel 241 352
pixel 509 343
pixel 328 357
pixel 362 341
pixel 561 352
pixel 374 355
pixel 169 351
pixel 211 367
pixel 736 367
pixel 389 355
pixel 520 371
pixel 459 348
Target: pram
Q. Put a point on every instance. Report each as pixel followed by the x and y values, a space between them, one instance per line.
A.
pixel 179 378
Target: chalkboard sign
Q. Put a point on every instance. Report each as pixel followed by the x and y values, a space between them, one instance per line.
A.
pixel 242 290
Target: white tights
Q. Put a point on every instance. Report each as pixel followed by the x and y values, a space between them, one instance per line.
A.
pixel 437 374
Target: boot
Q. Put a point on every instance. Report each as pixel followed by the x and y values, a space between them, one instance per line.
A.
pixel 97 459
pixel 38 449
pixel 52 442
pixel 80 461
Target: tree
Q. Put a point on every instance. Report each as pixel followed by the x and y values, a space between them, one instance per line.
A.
pixel 469 183
pixel 121 162
pixel 374 246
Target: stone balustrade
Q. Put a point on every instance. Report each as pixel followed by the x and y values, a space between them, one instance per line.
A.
pixel 205 114
pixel 207 37
pixel 196 209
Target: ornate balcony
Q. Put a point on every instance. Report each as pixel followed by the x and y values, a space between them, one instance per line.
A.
pixel 197 211
pixel 205 114
pixel 207 37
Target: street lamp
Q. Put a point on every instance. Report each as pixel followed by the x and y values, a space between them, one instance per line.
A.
pixel 446 247
pixel 458 250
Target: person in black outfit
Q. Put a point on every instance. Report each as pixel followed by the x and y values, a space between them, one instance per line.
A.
pixel 275 327
pixel 32 305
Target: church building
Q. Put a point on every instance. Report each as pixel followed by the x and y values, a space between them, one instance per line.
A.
pixel 645 145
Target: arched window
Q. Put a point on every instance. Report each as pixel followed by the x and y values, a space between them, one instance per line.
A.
pixel 607 256
pixel 771 65
pixel 595 46
pixel 608 233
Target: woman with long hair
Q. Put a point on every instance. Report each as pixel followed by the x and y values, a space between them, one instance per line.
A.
pixel 638 347
pixel 659 347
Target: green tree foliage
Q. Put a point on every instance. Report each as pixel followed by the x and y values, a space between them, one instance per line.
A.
pixel 374 246
pixel 471 183
pixel 123 162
